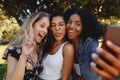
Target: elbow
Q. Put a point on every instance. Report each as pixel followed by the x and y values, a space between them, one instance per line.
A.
pixel 66 78
pixel 14 78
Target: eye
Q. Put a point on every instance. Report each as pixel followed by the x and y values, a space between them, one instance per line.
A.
pixel 42 25
pixel 78 24
pixel 53 25
pixel 62 24
pixel 69 22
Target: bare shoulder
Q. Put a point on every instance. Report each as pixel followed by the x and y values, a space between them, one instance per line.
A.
pixel 68 46
pixel 68 49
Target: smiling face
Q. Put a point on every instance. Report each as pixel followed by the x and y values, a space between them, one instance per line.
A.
pixel 41 29
pixel 58 27
pixel 74 27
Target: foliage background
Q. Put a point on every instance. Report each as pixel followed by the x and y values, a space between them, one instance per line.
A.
pixel 14 12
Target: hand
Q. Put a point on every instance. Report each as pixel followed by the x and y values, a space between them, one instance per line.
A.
pixel 109 71
pixel 28 46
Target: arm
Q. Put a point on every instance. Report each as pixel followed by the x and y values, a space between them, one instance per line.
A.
pixel 109 71
pixel 68 54
pixel 16 69
pixel 11 65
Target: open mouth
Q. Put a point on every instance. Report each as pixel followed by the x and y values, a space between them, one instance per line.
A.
pixel 70 32
pixel 41 36
pixel 58 34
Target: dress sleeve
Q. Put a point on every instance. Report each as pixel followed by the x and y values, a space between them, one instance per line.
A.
pixel 12 51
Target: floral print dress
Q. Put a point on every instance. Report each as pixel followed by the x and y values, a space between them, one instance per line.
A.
pixel 30 74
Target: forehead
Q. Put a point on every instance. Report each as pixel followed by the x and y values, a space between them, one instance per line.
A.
pixel 57 19
pixel 44 20
pixel 75 17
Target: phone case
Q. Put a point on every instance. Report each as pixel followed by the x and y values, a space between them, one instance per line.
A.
pixel 112 33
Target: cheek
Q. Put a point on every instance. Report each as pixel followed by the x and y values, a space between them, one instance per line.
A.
pixel 46 32
pixel 80 29
pixel 65 31
pixel 65 28
pixel 36 28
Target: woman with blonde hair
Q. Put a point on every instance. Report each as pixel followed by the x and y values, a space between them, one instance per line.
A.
pixel 24 53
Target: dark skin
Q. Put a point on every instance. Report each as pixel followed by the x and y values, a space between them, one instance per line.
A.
pixel 109 72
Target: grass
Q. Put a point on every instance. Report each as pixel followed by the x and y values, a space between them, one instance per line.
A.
pixel 2 70
pixel 2 62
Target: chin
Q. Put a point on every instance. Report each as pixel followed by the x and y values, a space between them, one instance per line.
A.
pixel 39 41
pixel 71 38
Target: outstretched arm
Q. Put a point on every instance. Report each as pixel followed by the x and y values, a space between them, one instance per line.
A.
pixel 108 72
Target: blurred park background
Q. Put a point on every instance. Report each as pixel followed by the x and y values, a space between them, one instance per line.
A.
pixel 14 12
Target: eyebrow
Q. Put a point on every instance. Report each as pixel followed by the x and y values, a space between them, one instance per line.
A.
pixel 43 23
pixel 62 22
pixel 77 21
pixel 59 22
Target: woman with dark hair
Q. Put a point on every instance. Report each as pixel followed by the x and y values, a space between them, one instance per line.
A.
pixel 59 57
pixel 83 31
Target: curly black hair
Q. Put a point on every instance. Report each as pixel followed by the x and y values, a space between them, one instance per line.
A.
pixel 91 26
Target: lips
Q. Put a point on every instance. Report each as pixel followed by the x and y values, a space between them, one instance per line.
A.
pixel 57 34
pixel 40 36
pixel 70 32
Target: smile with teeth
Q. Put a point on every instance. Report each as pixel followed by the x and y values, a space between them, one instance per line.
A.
pixel 70 32
pixel 41 36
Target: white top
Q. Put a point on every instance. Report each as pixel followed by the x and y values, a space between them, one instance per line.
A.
pixel 53 65
pixel 77 69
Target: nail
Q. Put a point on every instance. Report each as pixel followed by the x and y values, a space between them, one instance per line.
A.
pixel 99 50
pixel 92 64
pixel 93 55
pixel 109 42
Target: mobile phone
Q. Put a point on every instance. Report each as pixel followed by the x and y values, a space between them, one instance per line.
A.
pixel 112 33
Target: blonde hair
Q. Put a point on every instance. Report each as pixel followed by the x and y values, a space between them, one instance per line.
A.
pixel 28 26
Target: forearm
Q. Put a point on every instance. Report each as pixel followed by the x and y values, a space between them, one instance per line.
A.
pixel 20 69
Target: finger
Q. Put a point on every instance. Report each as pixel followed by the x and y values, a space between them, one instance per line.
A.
pixel 102 73
pixel 109 57
pixel 31 36
pixel 115 48
pixel 33 44
pixel 111 70
pixel 30 43
pixel 25 33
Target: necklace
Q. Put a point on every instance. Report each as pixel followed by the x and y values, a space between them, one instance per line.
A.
pixel 30 60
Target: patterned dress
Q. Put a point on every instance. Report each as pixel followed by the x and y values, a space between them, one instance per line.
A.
pixel 30 74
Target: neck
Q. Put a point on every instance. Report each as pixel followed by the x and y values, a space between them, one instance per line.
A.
pixel 75 44
pixel 58 42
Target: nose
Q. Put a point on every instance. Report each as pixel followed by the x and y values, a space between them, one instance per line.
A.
pixel 57 27
pixel 45 31
pixel 71 25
